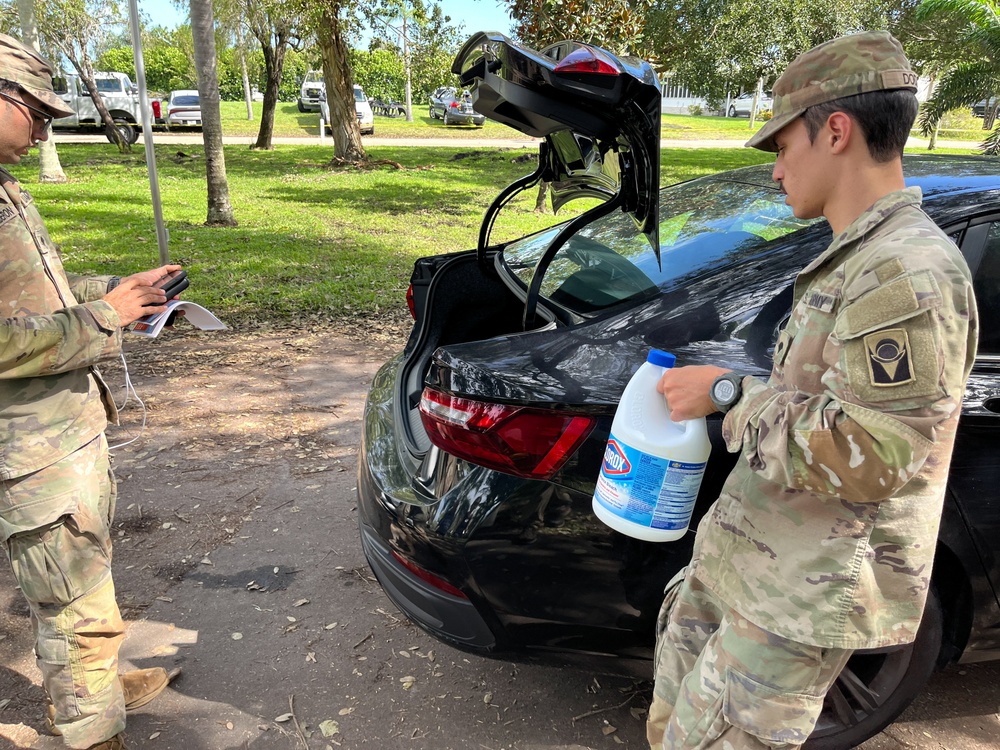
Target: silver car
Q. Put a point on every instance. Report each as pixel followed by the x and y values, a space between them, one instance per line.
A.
pixel 183 108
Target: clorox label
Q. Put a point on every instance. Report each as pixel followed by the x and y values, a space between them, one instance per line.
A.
pixel 616 463
pixel 654 492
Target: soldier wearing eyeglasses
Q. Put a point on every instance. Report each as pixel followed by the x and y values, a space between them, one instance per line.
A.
pixel 58 494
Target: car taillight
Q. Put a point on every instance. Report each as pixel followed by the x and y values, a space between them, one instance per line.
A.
pixel 586 60
pixel 428 577
pixel 156 109
pixel 454 105
pixel 410 303
pixel 526 442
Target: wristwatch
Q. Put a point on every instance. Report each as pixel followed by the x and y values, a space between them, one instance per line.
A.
pixel 726 391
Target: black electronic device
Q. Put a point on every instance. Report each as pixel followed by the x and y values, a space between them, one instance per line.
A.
pixel 172 284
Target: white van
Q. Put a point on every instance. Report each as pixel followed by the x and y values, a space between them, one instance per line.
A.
pixel 366 118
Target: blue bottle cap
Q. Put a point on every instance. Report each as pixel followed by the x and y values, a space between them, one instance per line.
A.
pixel 661 358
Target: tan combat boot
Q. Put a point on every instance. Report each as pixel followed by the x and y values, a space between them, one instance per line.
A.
pixel 139 687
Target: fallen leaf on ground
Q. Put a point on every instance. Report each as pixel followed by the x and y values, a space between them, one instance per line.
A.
pixel 237 636
pixel 300 602
pixel 329 728
pixel 283 718
pixel 407 681
pixel 346 711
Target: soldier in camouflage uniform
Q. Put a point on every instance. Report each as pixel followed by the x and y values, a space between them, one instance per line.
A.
pixel 823 539
pixel 58 490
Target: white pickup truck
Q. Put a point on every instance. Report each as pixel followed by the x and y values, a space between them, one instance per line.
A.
pixel 120 96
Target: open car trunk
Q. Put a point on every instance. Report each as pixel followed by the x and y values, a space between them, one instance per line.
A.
pixel 456 300
pixel 599 118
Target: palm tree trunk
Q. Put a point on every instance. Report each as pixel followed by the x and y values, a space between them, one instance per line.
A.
pixel 50 169
pixel 220 211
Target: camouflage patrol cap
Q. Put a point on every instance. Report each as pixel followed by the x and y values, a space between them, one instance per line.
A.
pixel 25 67
pixel 848 65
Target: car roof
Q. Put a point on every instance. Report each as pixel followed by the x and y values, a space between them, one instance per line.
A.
pixel 184 92
pixel 935 174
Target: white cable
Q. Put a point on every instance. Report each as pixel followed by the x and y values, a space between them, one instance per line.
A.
pixel 129 388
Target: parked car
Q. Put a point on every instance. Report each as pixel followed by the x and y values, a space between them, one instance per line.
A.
pixel 183 108
pixel 483 438
pixel 312 88
pixel 454 108
pixel 979 108
pixel 362 107
pixel 120 95
pixel 741 105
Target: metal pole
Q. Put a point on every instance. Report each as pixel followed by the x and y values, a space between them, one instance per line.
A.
pixel 147 131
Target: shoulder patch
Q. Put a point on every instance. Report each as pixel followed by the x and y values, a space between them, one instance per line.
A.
pixel 888 357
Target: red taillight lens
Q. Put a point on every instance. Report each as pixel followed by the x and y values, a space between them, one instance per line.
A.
pixel 410 303
pixel 454 105
pixel 428 577
pixel 156 109
pixel 532 443
pixel 586 60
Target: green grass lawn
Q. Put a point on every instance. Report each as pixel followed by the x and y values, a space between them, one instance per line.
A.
pixel 289 122
pixel 314 243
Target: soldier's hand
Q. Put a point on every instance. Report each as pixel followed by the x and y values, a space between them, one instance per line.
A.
pixel 135 296
pixel 687 390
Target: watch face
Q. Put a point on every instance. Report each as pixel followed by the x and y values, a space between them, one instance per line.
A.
pixel 724 391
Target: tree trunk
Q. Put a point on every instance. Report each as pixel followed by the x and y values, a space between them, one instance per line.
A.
pixel 220 211
pixel 50 169
pixel 274 61
pixel 247 93
pixel 85 70
pixel 339 87
pixel 543 188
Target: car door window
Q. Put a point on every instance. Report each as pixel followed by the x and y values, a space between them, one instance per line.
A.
pixel 987 287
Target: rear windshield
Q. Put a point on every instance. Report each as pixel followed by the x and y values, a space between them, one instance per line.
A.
pixel 110 85
pixel 359 95
pixel 703 223
pixel 186 101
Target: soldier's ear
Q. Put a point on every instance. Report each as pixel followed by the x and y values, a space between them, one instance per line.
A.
pixel 840 129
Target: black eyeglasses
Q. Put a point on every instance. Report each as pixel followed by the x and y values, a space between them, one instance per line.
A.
pixel 36 113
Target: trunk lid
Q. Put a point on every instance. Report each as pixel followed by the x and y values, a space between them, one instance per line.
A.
pixel 598 114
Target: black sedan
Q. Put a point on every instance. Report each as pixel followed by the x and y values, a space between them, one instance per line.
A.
pixel 454 108
pixel 484 437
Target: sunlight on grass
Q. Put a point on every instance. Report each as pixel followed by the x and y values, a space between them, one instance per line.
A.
pixel 313 243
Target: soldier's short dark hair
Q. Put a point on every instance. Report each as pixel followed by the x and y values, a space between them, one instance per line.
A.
pixel 885 118
pixel 9 87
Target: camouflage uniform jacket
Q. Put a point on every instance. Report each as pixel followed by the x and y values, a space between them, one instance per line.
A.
pixel 55 327
pixel 825 531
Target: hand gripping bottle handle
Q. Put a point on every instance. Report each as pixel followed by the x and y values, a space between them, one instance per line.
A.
pixel 653 466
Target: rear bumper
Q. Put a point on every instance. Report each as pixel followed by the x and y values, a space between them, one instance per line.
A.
pixel 449 618
pixel 465 118
pixel 387 523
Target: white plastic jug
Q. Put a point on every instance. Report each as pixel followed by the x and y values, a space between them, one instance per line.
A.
pixel 652 466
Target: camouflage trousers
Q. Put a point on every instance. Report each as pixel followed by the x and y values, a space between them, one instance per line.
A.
pixel 722 683
pixel 63 567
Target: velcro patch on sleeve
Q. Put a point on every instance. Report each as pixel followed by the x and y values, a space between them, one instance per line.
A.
pixel 888 358
pixel 900 364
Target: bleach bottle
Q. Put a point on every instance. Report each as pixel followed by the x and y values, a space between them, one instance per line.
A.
pixel 652 466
